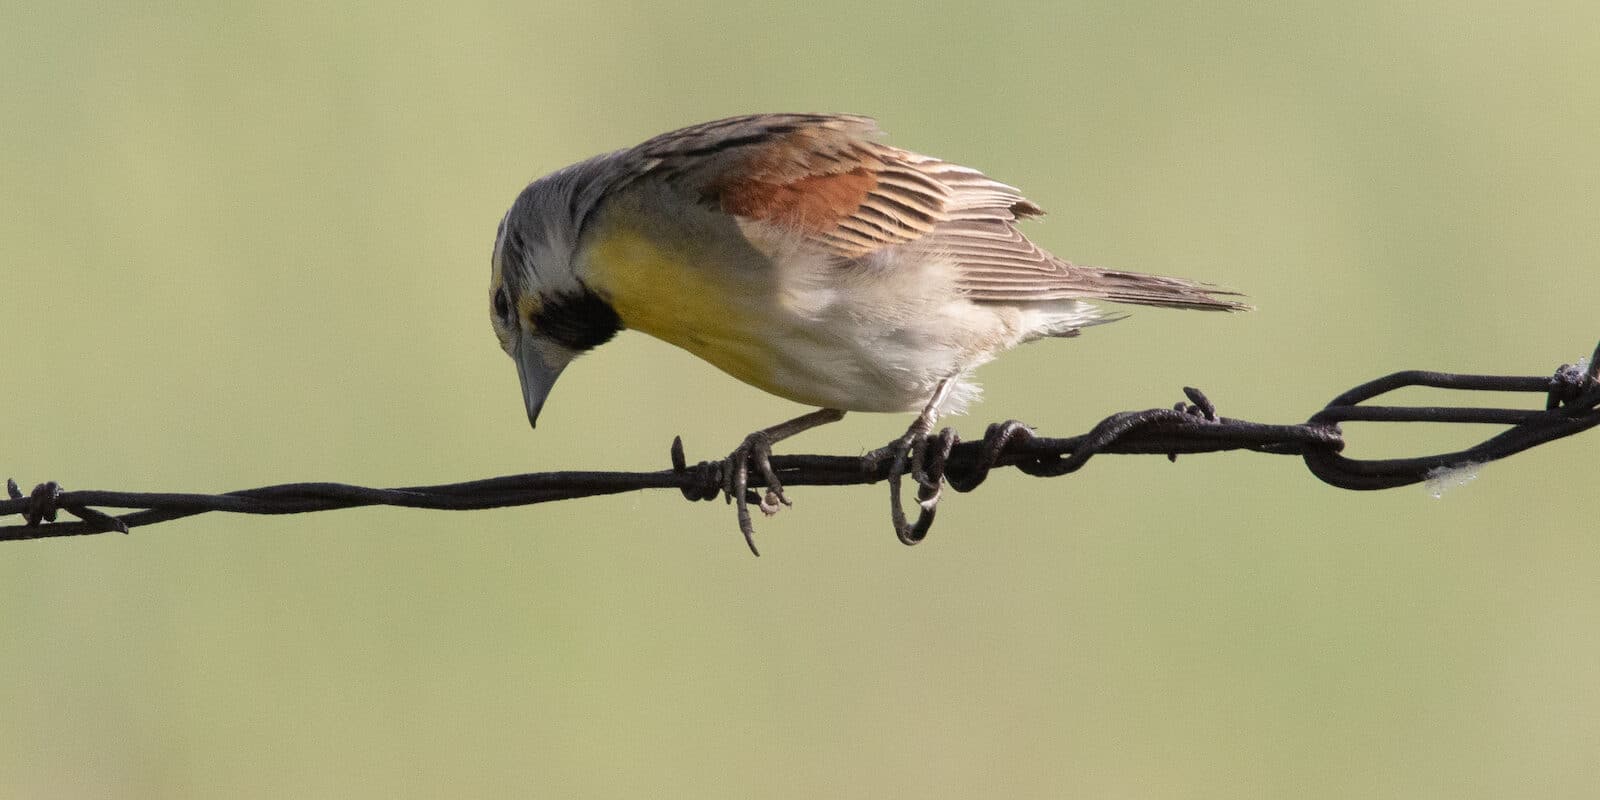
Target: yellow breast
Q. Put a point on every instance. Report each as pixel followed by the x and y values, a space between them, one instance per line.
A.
pixel 684 293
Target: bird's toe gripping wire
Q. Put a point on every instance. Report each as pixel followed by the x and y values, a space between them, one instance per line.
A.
pixel 908 454
pixel 924 457
pixel 730 478
pixel 754 452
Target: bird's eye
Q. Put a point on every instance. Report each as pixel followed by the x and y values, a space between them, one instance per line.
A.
pixel 502 306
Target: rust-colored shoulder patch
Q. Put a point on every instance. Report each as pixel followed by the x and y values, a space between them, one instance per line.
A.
pixel 815 203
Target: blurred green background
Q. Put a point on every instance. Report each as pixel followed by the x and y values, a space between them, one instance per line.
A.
pixel 248 243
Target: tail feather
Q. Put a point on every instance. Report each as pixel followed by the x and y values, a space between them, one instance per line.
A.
pixel 1154 290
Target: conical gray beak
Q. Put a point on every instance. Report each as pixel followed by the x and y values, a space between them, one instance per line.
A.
pixel 537 377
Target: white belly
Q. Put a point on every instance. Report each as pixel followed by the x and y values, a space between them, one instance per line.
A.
pixel 880 337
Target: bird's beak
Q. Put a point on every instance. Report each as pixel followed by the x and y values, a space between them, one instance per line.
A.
pixel 537 378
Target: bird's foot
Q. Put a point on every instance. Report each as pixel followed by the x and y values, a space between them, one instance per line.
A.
pixel 753 454
pixel 755 451
pixel 730 477
pixel 909 455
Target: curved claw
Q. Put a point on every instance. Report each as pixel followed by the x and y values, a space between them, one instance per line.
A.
pixel 924 458
pixel 730 477
pixel 910 456
pixel 774 501
pixel 756 449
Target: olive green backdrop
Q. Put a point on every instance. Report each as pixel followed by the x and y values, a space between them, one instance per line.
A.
pixel 248 243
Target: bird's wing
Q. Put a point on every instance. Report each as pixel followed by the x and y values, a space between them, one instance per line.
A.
pixel 828 177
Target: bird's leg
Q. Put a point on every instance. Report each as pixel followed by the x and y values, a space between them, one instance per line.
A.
pixel 756 449
pixel 900 449
pixel 910 449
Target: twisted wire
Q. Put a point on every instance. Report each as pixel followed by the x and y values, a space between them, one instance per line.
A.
pixel 1571 405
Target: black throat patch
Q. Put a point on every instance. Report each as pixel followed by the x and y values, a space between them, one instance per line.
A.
pixel 581 321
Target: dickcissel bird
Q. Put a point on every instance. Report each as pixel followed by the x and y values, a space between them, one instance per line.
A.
pixel 803 256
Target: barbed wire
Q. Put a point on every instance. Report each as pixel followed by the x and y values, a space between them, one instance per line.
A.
pixel 1572 405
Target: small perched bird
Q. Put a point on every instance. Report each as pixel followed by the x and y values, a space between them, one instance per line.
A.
pixel 801 255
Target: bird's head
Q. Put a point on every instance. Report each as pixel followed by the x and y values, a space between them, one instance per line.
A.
pixel 542 312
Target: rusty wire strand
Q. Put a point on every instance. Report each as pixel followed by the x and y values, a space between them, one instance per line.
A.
pixel 1572 405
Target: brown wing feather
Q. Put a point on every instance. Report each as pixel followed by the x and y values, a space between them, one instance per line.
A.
pixel 823 174
pixel 828 176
